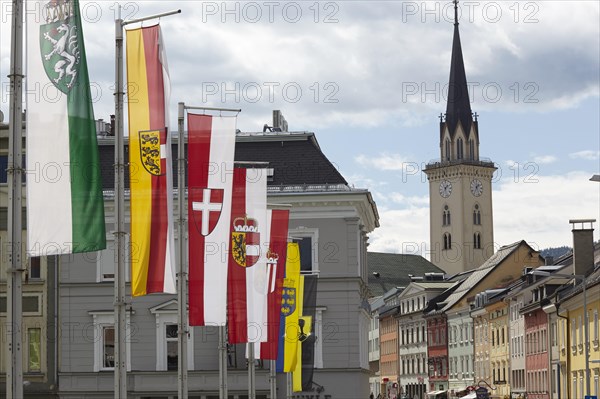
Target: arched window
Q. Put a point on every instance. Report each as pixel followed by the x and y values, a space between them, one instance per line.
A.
pixel 446 216
pixel 476 215
pixel 447 149
pixel 459 148
pixel 477 241
pixel 447 241
pixel 471 150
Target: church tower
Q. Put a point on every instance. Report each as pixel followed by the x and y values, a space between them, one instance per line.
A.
pixel 460 182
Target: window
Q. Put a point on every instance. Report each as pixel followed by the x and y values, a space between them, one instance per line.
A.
pixel 459 148
pixel 309 248
pixel 104 340
pixel 447 241
pixel 447 149
pixel 574 333
pixel 318 328
pixel 30 302
pixel 34 352
pixel 471 150
pixel 476 215
pixel 35 270
pixel 596 332
pixel 167 352
pixel 108 347
pixel 105 262
pixel 446 216
pixel 172 349
pixel 477 240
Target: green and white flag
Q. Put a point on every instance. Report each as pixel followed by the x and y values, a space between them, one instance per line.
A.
pixel 65 208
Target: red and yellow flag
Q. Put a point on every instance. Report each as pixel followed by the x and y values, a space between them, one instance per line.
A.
pixel 151 180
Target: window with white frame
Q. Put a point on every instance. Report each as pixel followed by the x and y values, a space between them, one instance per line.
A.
pixel 34 350
pixel 318 328
pixel 308 241
pixel 105 262
pixel 167 352
pixel 35 268
pixel 104 340
pixel 596 332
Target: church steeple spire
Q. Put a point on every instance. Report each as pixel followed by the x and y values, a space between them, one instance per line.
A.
pixel 459 106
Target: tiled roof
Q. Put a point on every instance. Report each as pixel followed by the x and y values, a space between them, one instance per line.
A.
pixel 480 273
pixel 394 269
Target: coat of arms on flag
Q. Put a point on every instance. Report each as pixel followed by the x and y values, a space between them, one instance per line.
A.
pixel 151 151
pixel 207 204
pixel 245 241
pixel 288 298
pixel 59 44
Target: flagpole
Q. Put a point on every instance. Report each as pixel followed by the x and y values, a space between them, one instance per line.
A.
pixel 120 355
pixel 288 383
pixel 222 363
pixel 251 372
pixel 120 380
pixel 273 379
pixel 182 328
pixel 14 308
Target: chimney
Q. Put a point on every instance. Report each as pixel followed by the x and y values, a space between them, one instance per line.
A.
pixel 549 260
pixel 583 245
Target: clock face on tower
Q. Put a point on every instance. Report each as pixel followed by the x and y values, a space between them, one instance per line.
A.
pixel 476 187
pixel 445 188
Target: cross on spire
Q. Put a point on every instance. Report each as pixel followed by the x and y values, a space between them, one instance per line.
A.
pixel 455 12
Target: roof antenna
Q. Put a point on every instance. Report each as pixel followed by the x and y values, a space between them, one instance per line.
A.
pixel 455 12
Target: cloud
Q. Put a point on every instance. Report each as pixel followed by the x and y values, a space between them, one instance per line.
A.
pixel 536 211
pixel 588 155
pixel 386 161
pixel 544 159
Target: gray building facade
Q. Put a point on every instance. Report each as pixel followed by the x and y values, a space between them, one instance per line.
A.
pixel 333 221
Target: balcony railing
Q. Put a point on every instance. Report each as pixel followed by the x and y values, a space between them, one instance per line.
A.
pixel 438 163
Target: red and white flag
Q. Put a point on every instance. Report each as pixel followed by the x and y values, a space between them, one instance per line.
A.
pixel 211 147
pixel 277 225
pixel 247 279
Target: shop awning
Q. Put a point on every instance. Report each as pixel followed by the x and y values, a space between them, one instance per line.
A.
pixel 471 395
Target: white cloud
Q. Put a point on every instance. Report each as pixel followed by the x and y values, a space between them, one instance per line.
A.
pixel 386 162
pixel 402 231
pixel 544 159
pixel 537 212
pixel 588 155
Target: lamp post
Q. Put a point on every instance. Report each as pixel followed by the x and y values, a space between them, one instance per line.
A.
pixel 586 332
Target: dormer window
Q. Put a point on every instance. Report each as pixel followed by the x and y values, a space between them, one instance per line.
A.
pixel 447 149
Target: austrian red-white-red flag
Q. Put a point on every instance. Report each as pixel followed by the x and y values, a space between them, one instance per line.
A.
pixel 277 225
pixel 247 280
pixel 211 146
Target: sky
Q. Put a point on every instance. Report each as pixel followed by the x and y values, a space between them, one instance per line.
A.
pixel 369 78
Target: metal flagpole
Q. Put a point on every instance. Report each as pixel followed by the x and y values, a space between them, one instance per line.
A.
pixel 222 362
pixel 273 379
pixel 120 380
pixel 182 327
pixel 14 316
pixel 288 383
pixel 120 360
pixel 251 372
